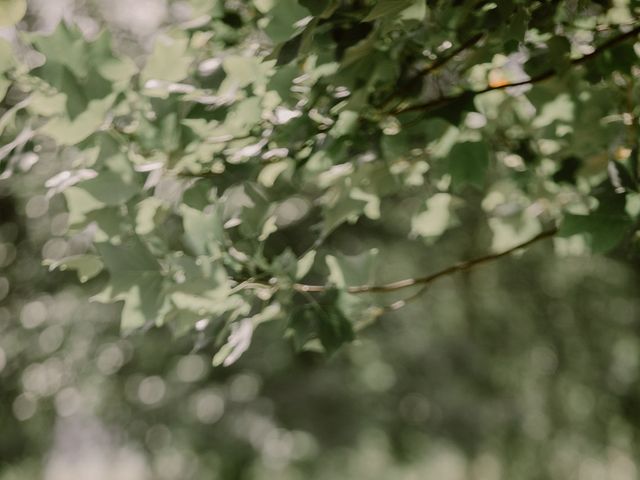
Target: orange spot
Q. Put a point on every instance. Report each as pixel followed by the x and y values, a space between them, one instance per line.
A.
pixel 622 153
pixel 497 79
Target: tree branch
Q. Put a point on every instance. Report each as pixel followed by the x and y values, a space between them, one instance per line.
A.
pixel 612 42
pixel 437 64
pixel 442 61
pixel 410 282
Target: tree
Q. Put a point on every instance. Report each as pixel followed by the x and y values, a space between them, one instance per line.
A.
pixel 212 176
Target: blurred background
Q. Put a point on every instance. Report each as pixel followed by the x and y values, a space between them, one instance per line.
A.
pixel 527 368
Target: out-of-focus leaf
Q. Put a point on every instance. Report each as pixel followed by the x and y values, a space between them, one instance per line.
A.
pixel 136 278
pixel 285 18
pixel 606 226
pixel 70 132
pixel 468 163
pixel 86 266
pixel 387 8
pixel 435 219
pixel 305 264
pixel 604 231
pixel 203 230
pixel 169 61
pixel 12 11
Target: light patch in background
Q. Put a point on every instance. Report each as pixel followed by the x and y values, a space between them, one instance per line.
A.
pixel 50 12
pixel 142 17
pixel 83 446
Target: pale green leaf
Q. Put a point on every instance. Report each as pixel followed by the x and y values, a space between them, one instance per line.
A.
pixel 12 11
pixel 70 132
pixel 435 219
pixel 387 8
pixel 169 61
pixel 305 263
pixel 86 266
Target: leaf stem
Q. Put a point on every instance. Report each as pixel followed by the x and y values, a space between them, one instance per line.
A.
pixel 410 282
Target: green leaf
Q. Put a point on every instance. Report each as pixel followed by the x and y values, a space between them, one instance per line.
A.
pixel 108 188
pixel 348 270
pixel 136 278
pixel 241 71
pixel 334 328
pixel 271 172
pixel 64 47
pixel 86 266
pixel 305 264
pixel 203 231
pixel 321 8
pixel 605 227
pixel 147 213
pixel 468 163
pixel 388 8
pixel 238 342
pixel 604 232
pixel 435 219
pixel 7 59
pixel 289 50
pixel 240 336
pixel 169 61
pixel 71 132
pixel 347 123
pixel 284 18
pixel 12 11
pixel 454 110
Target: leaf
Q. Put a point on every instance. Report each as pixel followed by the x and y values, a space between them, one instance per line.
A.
pixel 65 46
pixel 147 213
pixel 454 110
pixel 241 71
pixel 12 11
pixel 238 343
pixel 71 132
pixel 271 172
pixel 136 278
pixel 7 60
pixel 334 328
pixel 289 50
pixel 240 337
pixel 468 163
pixel 169 60
pixel 603 231
pixel 86 266
pixel 605 227
pixel 435 219
pixel 305 263
pixel 320 8
pixel 285 19
pixel 204 232
pixel 387 8
pixel 346 124
pixel 108 188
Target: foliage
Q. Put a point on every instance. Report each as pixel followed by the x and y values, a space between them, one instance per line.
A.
pixel 211 177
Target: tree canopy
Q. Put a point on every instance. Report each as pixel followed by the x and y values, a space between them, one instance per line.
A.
pixel 221 180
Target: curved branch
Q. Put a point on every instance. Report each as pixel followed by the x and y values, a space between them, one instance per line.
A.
pixel 410 282
pixel 442 61
pixel 612 42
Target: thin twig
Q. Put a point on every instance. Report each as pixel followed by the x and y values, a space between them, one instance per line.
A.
pixel 535 79
pixel 442 61
pixel 398 304
pixel 410 282
pixel 432 67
